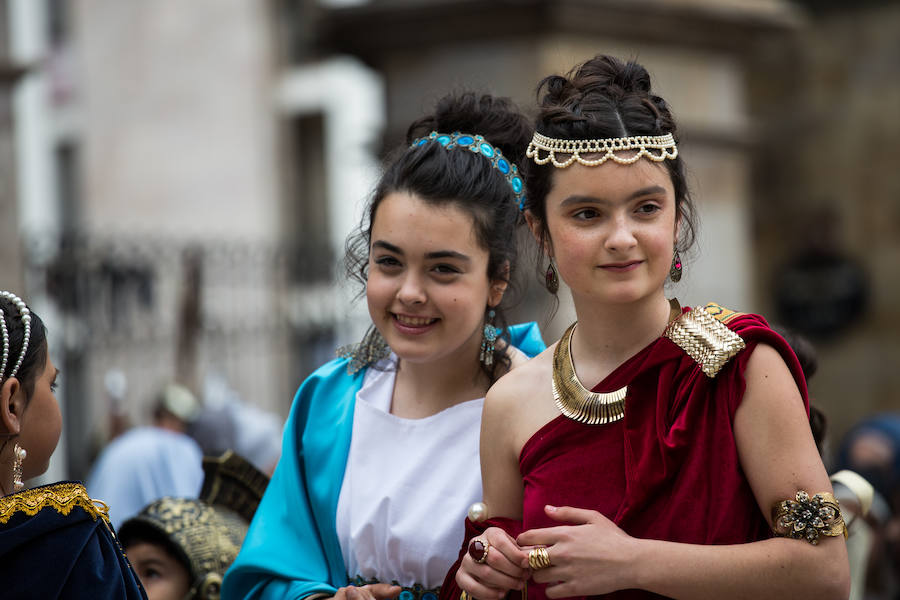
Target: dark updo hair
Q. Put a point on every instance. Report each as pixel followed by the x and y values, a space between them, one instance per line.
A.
pixel 604 98
pixel 460 178
pixel 36 354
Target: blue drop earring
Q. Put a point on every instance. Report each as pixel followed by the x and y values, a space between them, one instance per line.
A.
pixel 491 333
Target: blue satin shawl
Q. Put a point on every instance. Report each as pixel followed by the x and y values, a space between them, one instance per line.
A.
pixel 291 549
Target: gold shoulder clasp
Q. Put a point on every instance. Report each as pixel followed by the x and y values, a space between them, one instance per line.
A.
pixel 703 335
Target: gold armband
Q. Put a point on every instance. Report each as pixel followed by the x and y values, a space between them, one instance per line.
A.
pixel 808 518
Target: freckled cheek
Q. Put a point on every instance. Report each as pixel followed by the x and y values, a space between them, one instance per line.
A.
pixel 575 250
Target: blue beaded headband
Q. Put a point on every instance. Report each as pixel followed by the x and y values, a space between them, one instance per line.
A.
pixel 479 145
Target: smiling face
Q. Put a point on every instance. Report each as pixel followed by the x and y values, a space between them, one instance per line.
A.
pixel 428 288
pixel 612 230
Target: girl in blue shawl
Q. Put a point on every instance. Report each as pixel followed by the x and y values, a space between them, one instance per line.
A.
pixel 380 456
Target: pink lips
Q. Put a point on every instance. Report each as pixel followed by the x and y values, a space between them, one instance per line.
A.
pixel 621 267
pixel 410 325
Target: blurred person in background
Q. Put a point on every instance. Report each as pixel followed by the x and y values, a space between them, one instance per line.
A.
pixel 872 449
pixel 147 463
pixel 380 455
pixel 115 384
pixel 55 542
pixel 181 547
pixel 227 422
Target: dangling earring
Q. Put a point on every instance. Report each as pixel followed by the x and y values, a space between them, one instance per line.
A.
pixel 551 278
pixel 20 455
pixel 675 269
pixel 491 334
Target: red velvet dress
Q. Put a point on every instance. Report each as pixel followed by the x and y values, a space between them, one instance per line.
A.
pixel 669 470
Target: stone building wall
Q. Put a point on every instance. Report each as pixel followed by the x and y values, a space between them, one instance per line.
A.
pixel 826 184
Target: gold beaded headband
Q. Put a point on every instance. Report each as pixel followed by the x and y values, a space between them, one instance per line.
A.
pixel 642 145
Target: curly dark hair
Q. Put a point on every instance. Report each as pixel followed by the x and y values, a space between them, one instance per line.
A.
pixel 604 97
pixel 458 178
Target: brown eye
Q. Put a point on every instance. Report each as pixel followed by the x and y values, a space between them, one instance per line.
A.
pixel 387 261
pixel 446 269
pixel 586 214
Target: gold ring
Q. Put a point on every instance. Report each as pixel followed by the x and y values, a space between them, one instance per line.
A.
pixel 539 558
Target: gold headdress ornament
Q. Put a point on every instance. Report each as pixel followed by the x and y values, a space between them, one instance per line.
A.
pixel 206 533
pixel 655 147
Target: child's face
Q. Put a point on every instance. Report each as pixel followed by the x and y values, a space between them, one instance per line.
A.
pixel 162 575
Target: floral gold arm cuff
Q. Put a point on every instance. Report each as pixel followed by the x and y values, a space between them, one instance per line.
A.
pixel 808 518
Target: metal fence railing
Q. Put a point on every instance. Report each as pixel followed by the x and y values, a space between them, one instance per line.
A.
pixel 256 317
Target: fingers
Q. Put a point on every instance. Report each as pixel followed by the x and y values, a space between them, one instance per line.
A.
pixel 494 577
pixel 382 591
pixel 372 591
pixel 573 516
pixel 499 572
pixel 549 575
pixel 561 590
pixel 341 594
pixel 481 589
pixel 505 555
pixel 355 593
pixel 546 536
pixel 550 535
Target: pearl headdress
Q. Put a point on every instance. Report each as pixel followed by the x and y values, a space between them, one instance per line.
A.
pixel 655 147
pixel 25 315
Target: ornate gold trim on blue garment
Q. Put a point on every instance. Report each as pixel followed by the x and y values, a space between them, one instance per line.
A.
pixel 61 497
pixel 703 335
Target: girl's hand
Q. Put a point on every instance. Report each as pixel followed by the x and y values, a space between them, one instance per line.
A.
pixel 500 573
pixel 589 557
pixel 372 591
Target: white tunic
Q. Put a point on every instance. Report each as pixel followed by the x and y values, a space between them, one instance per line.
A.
pixel 407 487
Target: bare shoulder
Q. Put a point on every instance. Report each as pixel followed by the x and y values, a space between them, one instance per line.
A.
pixel 521 401
pixel 521 382
pixel 767 370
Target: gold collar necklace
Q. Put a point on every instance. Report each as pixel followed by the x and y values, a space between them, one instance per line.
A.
pixel 579 403
pixel 573 399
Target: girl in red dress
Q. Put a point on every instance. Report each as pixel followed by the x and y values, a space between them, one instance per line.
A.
pixel 684 472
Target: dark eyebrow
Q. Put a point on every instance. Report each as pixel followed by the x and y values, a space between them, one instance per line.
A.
pixel 387 246
pixel 430 255
pixel 651 189
pixel 448 254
